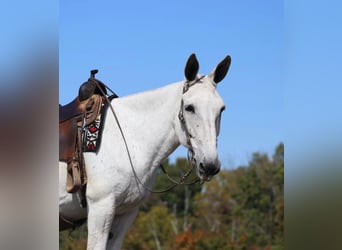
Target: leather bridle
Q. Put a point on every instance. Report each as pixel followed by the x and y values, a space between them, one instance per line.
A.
pixel 188 135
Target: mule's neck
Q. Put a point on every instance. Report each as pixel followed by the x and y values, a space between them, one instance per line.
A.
pixel 148 121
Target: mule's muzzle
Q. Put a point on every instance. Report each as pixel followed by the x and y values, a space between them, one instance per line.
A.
pixel 207 171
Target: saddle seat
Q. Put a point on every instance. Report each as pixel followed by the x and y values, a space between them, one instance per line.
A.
pixel 76 109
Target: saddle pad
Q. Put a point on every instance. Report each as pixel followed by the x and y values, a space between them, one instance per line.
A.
pixel 92 133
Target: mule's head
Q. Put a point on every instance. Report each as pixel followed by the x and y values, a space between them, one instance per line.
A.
pixel 200 116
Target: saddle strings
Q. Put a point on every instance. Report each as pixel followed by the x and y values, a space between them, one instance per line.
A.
pixel 191 159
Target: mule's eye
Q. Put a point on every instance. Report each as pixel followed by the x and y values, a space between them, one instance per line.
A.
pixel 190 108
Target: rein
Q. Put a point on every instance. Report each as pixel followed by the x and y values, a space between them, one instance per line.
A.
pixel 191 158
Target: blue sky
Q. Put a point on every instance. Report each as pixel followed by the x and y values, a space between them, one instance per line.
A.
pixel 141 45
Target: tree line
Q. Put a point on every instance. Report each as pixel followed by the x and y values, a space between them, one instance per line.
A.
pixel 242 208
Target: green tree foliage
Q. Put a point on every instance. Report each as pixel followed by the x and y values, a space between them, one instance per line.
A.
pixel 238 209
pixel 151 230
pixel 258 211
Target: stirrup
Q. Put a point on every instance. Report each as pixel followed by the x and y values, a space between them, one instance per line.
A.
pixel 73 176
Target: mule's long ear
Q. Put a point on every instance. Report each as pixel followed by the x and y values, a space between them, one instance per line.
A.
pixel 221 70
pixel 191 68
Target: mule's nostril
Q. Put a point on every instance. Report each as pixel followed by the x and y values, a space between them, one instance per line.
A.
pixel 212 170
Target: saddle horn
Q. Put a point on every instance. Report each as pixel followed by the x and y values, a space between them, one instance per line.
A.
pixel 91 87
pixel 93 72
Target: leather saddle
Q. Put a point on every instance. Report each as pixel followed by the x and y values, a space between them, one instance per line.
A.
pixel 82 111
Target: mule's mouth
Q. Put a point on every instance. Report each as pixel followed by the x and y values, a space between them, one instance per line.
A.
pixel 204 178
pixel 206 172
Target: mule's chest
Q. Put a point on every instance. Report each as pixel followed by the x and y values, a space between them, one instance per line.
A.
pixel 130 200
